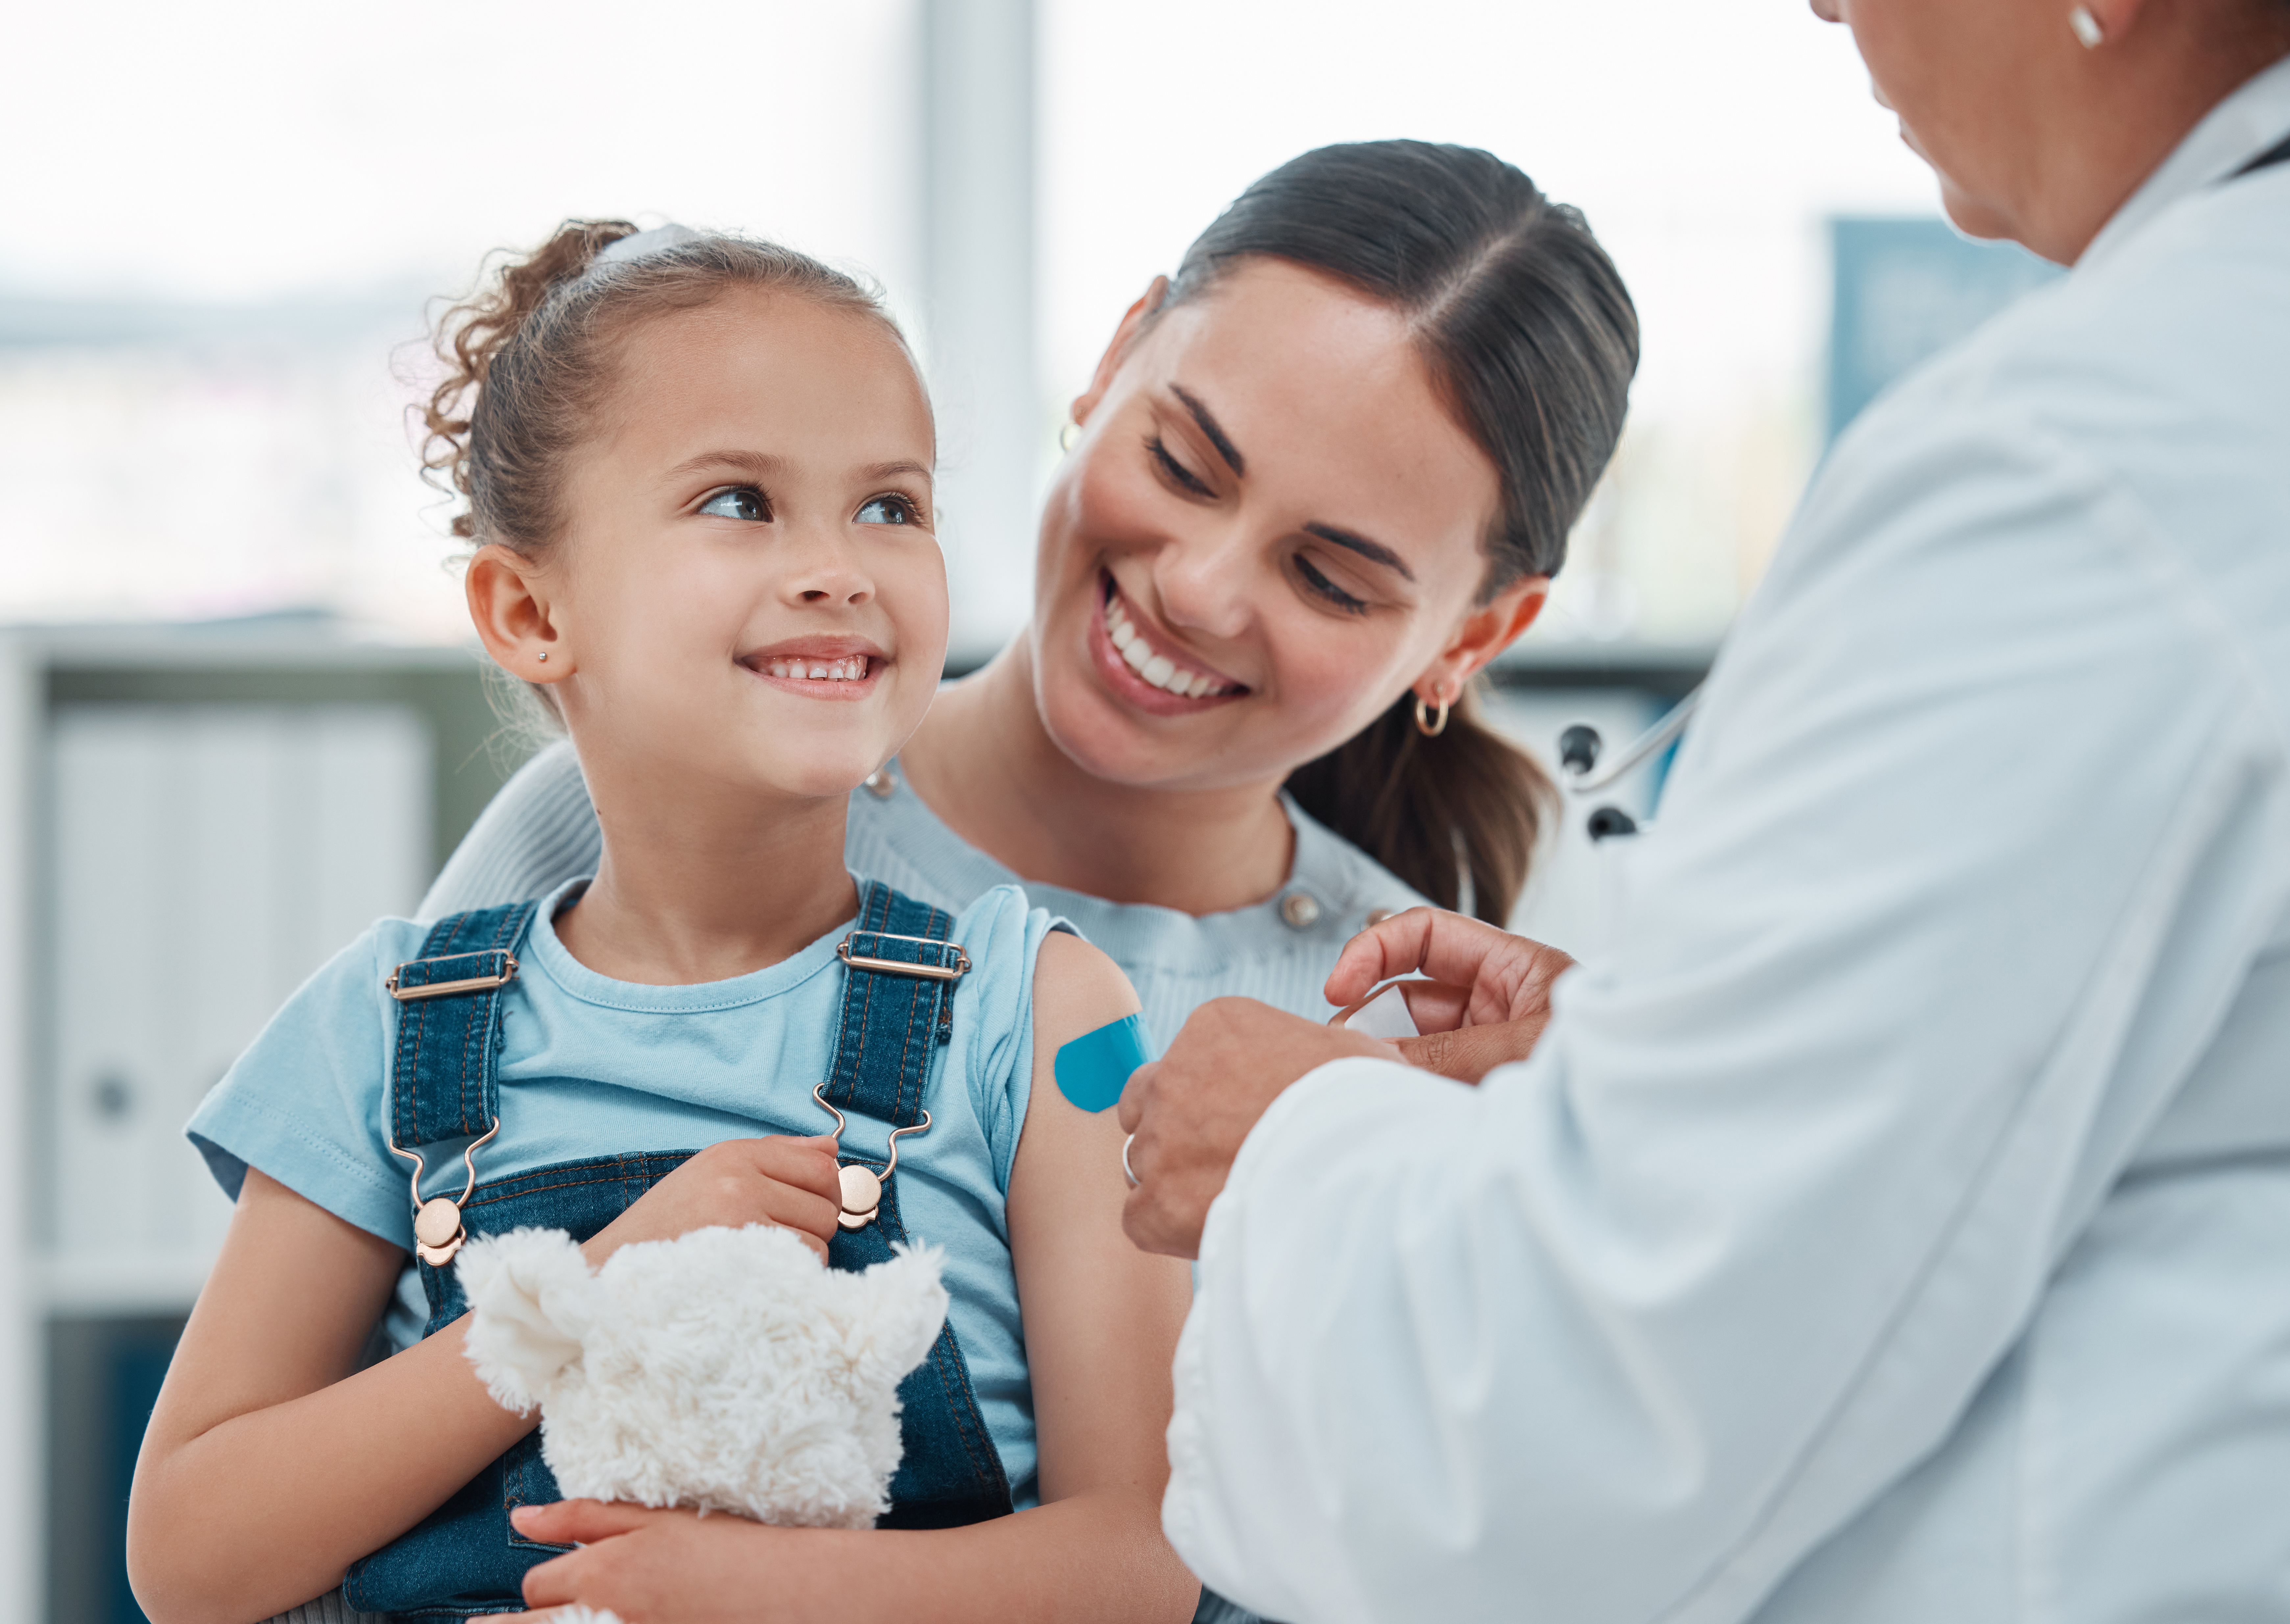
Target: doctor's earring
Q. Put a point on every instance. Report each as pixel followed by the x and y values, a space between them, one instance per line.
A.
pixel 2086 28
pixel 1069 436
pixel 1427 722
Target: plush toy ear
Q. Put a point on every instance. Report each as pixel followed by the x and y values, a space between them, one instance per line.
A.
pixel 908 1305
pixel 530 1293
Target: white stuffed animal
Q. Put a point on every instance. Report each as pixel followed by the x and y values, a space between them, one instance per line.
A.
pixel 727 1370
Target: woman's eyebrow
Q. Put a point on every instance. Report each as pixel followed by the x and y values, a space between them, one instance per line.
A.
pixel 1373 551
pixel 1210 427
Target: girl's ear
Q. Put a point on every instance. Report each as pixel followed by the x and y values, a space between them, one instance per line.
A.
pixel 510 604
pixel 1124 337
pixel 1486 632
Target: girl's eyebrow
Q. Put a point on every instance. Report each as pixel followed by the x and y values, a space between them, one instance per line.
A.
pixel 1375 552
pixel 761 465
pixel 758 465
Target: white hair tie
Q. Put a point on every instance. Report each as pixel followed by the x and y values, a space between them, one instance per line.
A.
pixel 654 241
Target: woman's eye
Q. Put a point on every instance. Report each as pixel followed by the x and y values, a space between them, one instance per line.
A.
pixel 1176 470
pixel 889 510
pixel 740 502
pixel 1328 589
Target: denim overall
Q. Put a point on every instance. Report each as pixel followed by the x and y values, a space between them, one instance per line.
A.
pixel 464 1559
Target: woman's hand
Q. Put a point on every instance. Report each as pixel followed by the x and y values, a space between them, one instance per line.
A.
pixel 1489 998
pixel 781 1180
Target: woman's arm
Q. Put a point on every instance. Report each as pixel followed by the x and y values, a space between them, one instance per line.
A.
pixel 1102 1321
pixel 272 1463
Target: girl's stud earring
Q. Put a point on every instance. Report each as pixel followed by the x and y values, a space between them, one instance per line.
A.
pixel 2086 28
pixel 1069 436
pixel 544 657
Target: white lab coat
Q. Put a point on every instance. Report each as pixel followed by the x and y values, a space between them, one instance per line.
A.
pixel 1895 1225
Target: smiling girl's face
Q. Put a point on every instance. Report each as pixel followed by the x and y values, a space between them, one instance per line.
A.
pixel 749 594
pixel 1271 528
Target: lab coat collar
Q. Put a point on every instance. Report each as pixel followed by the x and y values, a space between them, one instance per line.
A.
pixel 2231 134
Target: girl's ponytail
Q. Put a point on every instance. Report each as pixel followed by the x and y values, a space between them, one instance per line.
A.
pixel 1456 816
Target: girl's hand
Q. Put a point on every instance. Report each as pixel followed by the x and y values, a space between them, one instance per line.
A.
pixel 781 1180
pixel 1489 998
pixel 674 1567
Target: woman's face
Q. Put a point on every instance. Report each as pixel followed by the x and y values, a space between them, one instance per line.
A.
pixel 1270 528
pixel 1953 73
pixel 748 595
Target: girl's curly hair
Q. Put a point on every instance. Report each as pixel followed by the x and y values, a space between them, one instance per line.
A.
pixel 529 358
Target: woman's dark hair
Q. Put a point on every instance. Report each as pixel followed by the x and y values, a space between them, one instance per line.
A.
pixel 1532 339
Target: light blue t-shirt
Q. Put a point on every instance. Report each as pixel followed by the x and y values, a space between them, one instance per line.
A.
pixel 541 830
pixel 593 1067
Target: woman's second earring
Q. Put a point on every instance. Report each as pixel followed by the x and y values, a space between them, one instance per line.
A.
pixel 2086 28
pixel 1427 722
pixel 1069 436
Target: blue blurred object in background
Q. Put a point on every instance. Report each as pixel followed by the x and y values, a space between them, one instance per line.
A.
pixel 1907 288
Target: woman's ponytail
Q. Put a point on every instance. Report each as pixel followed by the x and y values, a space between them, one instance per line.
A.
pixel 1531 340
pixel 1456 816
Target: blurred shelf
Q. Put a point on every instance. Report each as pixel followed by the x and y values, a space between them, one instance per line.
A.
pixel 1669 669
pixel 120 1285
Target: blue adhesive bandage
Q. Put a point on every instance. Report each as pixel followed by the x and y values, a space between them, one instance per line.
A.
pixel 1093 1068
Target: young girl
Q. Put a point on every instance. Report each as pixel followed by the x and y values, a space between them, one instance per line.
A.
pixel 699 473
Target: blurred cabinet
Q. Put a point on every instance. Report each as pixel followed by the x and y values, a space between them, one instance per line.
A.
pixel 192 820
pixel 207 859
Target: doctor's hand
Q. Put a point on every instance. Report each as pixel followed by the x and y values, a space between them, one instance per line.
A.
pixel 1188 1111
pixel 1489 998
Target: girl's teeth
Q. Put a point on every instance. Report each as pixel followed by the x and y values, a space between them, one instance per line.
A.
pixel 851 670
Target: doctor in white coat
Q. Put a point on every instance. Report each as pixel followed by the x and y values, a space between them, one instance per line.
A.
pixel 1895 1225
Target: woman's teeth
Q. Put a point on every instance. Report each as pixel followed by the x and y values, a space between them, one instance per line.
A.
pixel 851 670
pixel 1156 668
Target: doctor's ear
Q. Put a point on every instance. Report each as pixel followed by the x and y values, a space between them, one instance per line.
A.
pixel 1125 338
pixel 510 604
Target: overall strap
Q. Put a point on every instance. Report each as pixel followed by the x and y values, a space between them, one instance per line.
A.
pixel 897 1004
pixel 444 1082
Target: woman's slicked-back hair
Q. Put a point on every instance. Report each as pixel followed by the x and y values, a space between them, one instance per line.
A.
pixel 1531 339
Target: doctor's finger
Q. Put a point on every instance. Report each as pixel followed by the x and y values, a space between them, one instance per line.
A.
pixel 1134 1096
pixel 1446 947
pixel 1468 1053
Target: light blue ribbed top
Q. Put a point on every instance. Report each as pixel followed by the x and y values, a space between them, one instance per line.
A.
pixel 540 831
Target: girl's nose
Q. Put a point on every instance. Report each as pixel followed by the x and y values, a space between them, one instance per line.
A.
pixel 825 569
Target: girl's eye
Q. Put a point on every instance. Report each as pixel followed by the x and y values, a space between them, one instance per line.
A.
pixel 1175 471
pixel 1328 589
pixel 889 510
pixel 740 503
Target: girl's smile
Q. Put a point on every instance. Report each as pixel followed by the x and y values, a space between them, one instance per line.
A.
pixel 823 668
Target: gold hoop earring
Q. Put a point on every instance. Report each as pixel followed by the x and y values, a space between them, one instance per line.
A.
pixel 2086 28
pixel 1426 724
pixel 1069 436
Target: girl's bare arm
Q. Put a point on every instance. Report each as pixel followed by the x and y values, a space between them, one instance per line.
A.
pixel 1102 1321
pixel 272 1463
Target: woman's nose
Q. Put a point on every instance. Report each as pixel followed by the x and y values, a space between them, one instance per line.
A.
pixel 1204 585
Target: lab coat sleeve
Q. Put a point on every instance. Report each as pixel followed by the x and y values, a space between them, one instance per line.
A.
pixel 1624 1332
